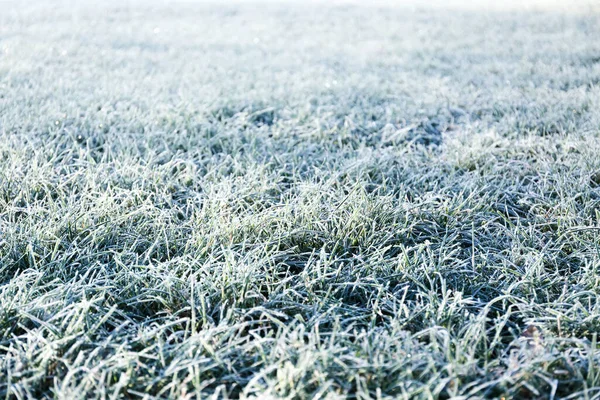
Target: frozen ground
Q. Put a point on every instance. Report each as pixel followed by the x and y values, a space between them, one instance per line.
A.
pixel 299 200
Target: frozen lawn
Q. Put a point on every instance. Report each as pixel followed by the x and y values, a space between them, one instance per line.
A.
pixel 299 200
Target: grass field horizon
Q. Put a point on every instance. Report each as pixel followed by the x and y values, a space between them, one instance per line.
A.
pixel 299 200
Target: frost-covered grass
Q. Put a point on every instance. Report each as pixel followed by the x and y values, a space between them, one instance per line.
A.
pixel 299 201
